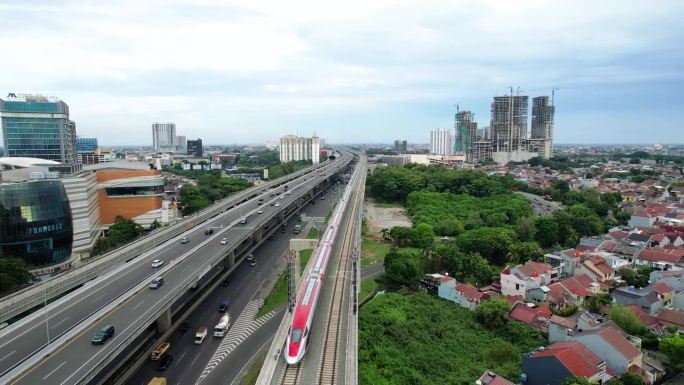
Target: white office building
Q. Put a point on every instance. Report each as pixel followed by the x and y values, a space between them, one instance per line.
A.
pixel 163 135
pixel 297 148
pixel 441 142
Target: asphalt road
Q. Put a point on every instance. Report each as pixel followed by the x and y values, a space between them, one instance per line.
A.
pixel 540 206
pixel 78 356
pixel 189 359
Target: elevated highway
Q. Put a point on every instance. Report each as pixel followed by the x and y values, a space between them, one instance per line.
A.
pixel 124 300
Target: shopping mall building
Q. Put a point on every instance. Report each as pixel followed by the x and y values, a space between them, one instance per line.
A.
pixel 51 216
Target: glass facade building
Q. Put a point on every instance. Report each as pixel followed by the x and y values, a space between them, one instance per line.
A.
pixel 38 127
pixel 35 222
pixel 86 145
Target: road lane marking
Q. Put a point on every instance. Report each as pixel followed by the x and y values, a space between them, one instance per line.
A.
pixel 59 323
pixel 85 330
pixel 56 369
pixel 99 298
pixel 7 355
pixel 136 306
pixel 195 359
pixel 181 357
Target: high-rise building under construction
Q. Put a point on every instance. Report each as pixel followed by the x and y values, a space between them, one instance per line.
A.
pixel 466 131
pixel 542 125
pixel 509 122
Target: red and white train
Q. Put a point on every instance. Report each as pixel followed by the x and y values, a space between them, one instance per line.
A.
pixel 310 290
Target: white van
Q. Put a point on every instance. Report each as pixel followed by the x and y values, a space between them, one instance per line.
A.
pixel 200 335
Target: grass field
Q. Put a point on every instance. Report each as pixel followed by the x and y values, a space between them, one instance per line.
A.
pixel 368 285
pixel 277 297
pixel 313 233
pixel 373 251
pixel 304 257
pixel 253 373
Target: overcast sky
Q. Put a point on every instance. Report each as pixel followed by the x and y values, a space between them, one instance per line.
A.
pixel 352 71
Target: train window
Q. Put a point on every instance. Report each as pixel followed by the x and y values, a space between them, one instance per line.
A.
pixel 296 336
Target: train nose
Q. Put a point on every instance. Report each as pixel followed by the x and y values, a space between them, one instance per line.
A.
pixel 293 354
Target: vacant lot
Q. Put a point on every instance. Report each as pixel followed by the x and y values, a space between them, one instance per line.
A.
pixel 384 216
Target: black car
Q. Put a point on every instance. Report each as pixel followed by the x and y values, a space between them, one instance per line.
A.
pixel 271 237
pixel 102 335
pixel 208 231
pixel 283 230
pixel 165 362
pixel 225 282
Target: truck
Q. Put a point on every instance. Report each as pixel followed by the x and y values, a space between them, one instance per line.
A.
pixel 222 327
pixel 200 335
pixel 297 229
pixel 160 351
pixel 157 381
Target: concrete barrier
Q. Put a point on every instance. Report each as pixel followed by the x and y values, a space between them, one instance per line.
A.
pixel 33 296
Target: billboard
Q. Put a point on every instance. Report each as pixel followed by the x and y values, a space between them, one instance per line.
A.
pixel 187 166
pixel 265 173
pixel 196 166
pixel 206 167
pixel 216 166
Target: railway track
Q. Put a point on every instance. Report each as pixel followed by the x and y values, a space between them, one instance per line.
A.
pixel 326 372
pixel 328 369
pixel 292 374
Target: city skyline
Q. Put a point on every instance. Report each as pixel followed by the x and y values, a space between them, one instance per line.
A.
pixel 348 71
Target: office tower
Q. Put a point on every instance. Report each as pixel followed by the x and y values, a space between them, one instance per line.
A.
pixel 298 148
pixel 400 146
pixel 195 148
pixel 466 131
pixel 180 142
pixel 35 126
pixel 85 150
pixel 440 142
pixel 542 124
pixel 163 136
pixel 509 123
pixel 86 145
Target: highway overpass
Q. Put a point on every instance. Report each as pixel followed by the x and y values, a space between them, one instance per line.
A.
pixel 124 300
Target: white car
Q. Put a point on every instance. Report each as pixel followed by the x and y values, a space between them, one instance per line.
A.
pixel 277 204
pixel 224 241
pixel 288 193
pixel 260 211
pixel 157 263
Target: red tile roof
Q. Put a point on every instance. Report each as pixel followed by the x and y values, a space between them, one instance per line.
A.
pixel 579 360
pixel 532 268
pixel 491 378
pixel 618 234
pixel 672 316
pixel 647 319
pixel 659 255
pixel 469 291
pixel 618 341
pixel 661 288
pixel 529 315
pixel 563 321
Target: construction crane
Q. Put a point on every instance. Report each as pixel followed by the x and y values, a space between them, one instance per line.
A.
pixel 553 92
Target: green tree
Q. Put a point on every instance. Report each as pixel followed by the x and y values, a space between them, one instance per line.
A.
pixel 402 266
pixel 595 301
pixel 423 236
pixel 400 235
pixel 493 243
pixel 626 320
pixel 577 381
pixel 13 273
pixel 492 313
pixel 546 231
pixel 631 379
pixel 673 348
pixel 525 228
pixel 520 252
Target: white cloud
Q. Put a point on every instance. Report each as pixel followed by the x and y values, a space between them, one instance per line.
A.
pixel 204 63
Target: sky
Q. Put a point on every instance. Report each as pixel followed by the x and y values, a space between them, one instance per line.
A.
pixel 351 71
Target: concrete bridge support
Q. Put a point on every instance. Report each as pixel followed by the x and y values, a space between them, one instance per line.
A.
pixel 164 321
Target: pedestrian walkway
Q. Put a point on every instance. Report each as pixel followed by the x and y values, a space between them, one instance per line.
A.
pixel 242 328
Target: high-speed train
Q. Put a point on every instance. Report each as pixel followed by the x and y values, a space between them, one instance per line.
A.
pixel 305 310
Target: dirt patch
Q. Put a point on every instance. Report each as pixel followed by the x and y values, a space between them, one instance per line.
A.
pixel 378 218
